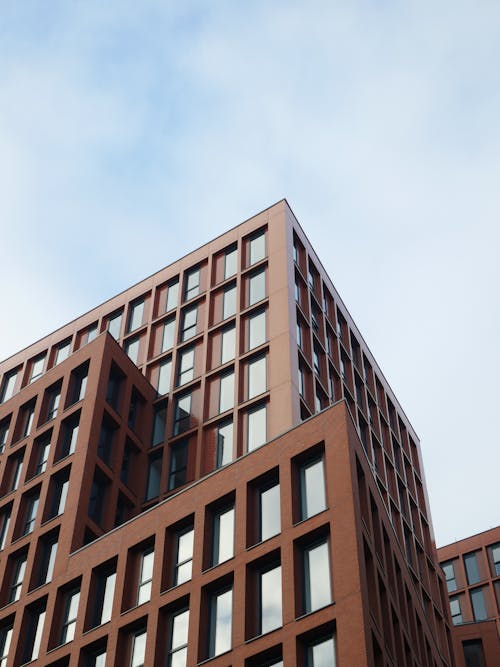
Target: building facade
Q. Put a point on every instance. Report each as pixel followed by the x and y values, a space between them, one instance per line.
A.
pixel 212 467
pixel 472 571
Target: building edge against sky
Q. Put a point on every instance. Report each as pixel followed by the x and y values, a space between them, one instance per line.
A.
pixel 145 465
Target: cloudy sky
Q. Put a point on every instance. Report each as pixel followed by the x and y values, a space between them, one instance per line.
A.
pixel 132 132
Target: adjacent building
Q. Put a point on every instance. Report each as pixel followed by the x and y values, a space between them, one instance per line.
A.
pixel 211 467
pixel 472 572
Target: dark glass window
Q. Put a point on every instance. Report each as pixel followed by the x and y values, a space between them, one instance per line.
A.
pixel 178 464
pixel 472 568
pixel 473 653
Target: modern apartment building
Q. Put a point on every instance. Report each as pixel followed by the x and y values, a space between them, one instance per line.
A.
pixel 472 572
pixel 211 467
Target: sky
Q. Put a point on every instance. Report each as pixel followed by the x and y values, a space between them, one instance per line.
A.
pixel 133 132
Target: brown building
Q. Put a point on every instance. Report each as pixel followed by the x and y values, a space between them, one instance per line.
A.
pixel 472 572
pixel 211 467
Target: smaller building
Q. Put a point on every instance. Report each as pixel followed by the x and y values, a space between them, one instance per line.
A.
pixel 472 570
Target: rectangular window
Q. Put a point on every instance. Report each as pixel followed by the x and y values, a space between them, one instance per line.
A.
pixel 230 263
pixel 299 335
pixel 28 412
pixel 316 572
pixel 91 333
pixel 449 573
pixel 145 576
pixel 495 559
pixel 53 400
pixel 321 654
pixel 135 316
pixel 4 433
pixel 226 392
pixel 9 382
pixel 256 428
pixel 177 474
pixel 192 285
pixel 312 488
pixel 62 352
pixel 164 377
pixel 185 371
pixel 270 615
pixel 47 560
pixel 257 287
pixel 472 568
pixel 34 631
pixel 168 336
pixel 456 612
pixel 184 556
pixel 478 604
pixel 257 329
pixel 69 437
pixel 172 295
pixel 229 302
pixel 257 381
pixel 17 579
pixel 97 497
pixel 5 642
pixel 269 512
pixel 177 652
pixel 189 320
pixel 159 416
pixel 16 469
pixel 220 622
pixel 182 414
pixel 223 536
pixel 60 493
pixel 228 344
pixel 473 653
pixel 106 437
pixel 300 381
pixel 31 512
pixel 4 526
pixel 70 615
pixel 37 366
pixel 105 591
pixel 154 476
pixel 138 652
pixel 115 325
pixel 132 349
pixel 224 443
pixel 257 248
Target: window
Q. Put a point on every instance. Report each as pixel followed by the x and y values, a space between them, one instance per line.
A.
pixel 296 291
pixel 168 337
pixel 62 352
pixel 91 333
pixel 230 263
pixel 70 614
pixel 17 579
pixel 177 652
pixel 4 433
pixel 37 366
pixel 47 560
pixel 316 573
pixel 312 488
pixel 31 512
pixel 60 493
pixel 256 428
pixel 9 382
pixel 185 371
pixel 257 248
pixel 5 641
pixel 456 612
pixel 69 436
pixel 154 477
pixel 34 631
pixel 321 654
pixel 228 344
pixel 115 325
pixel 159 415
pixel 189 320
pixel 96 659
pixel 177 475
pixel 256 329
pixel 135 316
pixel 229 302
pixel 316 361
pixel 172 295
pixel 257 287
pixel 449 573
pixel 53 400
pixel 97 497
pixel 28 412
pixel 138 652
pixel 224 443
pixel 270 616
pixel 472 568
pixel 473 653
pixel 257 382
pixel 223 536
pixel 220 622
pixel 299 335
pixel 495 558
pixel 106 436
pixel 184 556
pixel 300 381
pixel 145 576
pixel 164 377
pixel 113 389
pixel 42 446
pixel 132 349
pixel 226 392
pixel 269 512
pixel 478 604
pixel 192 285
pixel 15 472
pixel 4 526
pixel 105 591
pixel 182 414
